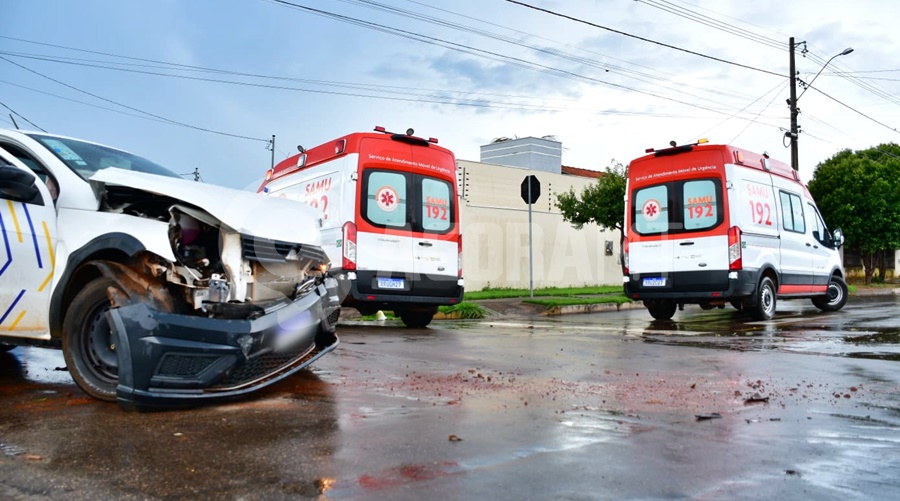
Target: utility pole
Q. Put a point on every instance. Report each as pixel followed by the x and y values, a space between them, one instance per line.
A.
pixel 794 133
pixel 273 151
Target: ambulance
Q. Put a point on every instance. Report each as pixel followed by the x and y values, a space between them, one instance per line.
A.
pixel 389 219
pixel 714 224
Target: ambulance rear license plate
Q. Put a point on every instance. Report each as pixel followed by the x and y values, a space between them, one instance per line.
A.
pixel 654 282
pixel 390 283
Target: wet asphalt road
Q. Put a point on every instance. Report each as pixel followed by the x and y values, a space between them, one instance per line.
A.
pixel 595 406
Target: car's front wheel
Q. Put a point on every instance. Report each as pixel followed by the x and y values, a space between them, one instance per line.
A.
pixel 835 298
pixel 89 345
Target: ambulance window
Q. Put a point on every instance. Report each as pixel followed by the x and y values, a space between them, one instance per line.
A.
pixel 386 199
pixel 651 210
pixel 792 212
pixel 700 204
pixel 819 231
pixel 436 196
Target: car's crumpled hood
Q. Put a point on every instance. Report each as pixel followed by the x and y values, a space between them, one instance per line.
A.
pixel 245 212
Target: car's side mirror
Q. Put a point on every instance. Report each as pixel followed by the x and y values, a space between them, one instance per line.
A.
pixel 19 186
pixel 838 238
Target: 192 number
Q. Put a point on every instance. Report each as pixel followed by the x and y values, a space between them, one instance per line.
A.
pixel 316 202
pixel 762 213
pixel 436 212
pixel 701 211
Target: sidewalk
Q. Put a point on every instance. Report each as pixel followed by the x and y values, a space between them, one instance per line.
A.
pixel 515 307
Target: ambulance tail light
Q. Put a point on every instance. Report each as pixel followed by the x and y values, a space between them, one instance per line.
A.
pixel 625 256
pixel 459 255
pixel 735 261
pixel 348 250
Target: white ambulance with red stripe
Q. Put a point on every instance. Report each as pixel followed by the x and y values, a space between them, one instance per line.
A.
pixel 715 225
pixel 389 215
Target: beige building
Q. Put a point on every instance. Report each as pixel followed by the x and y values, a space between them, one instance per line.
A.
pixel 495 222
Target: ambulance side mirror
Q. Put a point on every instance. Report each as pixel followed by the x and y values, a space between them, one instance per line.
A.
pixel 838 238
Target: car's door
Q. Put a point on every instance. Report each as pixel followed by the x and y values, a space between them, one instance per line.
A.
pixel 27 242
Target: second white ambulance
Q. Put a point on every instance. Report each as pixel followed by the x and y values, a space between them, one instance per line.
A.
pixel 715 224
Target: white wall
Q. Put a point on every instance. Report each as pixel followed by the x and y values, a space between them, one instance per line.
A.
pixel 495 233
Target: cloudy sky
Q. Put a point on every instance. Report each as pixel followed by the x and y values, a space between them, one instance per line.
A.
pixel 206 83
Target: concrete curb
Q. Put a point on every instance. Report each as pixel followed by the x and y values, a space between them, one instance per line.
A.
pixel 591 308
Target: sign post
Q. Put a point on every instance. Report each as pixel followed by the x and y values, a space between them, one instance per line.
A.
pixel 531 190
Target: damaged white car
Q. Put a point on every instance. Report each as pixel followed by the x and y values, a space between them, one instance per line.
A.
pixel 160 291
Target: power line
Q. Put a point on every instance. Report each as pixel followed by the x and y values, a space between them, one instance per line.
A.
pixel 198 68
pixel 712 23
pixel 20 116
pixel 85 103
pixel 486 54
pixel 856 111
pixel 175 122
pixel 872 89
pixel 595 25
pixel 647 78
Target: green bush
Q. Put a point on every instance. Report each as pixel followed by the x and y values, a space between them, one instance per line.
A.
pixel 464 310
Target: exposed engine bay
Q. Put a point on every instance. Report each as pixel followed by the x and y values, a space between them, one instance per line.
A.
pixel 218 272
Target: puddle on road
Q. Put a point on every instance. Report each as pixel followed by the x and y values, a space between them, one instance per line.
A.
pixel 889 337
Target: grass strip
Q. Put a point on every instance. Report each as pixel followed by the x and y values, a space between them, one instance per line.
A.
pixel 504 293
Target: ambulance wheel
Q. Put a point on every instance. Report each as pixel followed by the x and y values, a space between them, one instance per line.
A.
pixel 416 319
pixel 661 310
pixel 765 300
pixel 835 298
pixel 89 345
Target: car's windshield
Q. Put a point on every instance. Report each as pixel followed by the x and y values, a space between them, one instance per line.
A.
pixel 87 158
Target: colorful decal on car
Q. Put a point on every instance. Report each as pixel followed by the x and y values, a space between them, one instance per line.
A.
pixel 12 235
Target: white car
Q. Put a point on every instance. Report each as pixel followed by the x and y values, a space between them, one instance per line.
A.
pixel 159 290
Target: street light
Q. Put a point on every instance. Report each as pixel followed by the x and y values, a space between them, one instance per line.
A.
pixel 794 133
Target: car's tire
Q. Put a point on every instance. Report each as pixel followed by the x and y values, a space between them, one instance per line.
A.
pixel 661 310
pixel 88 344
pixel 835 298
pixel 416 319
pixel 765 300
pixel 6 347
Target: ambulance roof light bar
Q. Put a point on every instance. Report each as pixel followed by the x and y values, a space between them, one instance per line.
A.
pixel 409 132
pixel 674 144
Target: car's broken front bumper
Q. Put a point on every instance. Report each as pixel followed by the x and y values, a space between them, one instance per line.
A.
pixel 168 359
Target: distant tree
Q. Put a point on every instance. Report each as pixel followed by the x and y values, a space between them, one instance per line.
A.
pixel 601 202
pixel 859 192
